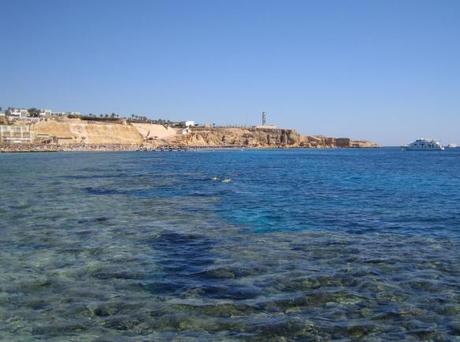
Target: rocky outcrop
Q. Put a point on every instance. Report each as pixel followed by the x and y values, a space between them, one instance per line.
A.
pixel 245 137
pixel 363 144
pixel 330 142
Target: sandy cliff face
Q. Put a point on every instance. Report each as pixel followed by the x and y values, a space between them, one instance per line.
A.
pixel 155 132
pixel 76 131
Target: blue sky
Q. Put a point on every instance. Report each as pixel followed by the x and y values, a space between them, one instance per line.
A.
pixel 386 70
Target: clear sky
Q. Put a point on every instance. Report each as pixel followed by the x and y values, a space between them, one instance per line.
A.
pixel 386 70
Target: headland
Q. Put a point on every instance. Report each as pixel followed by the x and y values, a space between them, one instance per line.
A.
pixel 79 133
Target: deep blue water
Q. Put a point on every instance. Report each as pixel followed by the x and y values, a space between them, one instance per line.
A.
pixel 230 245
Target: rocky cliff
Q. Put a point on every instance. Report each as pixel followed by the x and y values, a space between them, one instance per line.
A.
pixel 215 137
pixel 252 137
pixel 66 131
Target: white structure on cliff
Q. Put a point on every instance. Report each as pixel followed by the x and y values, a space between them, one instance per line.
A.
pixel 17 113
pixel 264 123
pixel 15 134
pixel 46 112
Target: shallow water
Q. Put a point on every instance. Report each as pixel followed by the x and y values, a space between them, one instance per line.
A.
pixel 296 245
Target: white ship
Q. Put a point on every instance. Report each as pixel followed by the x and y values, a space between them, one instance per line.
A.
pixel 424 145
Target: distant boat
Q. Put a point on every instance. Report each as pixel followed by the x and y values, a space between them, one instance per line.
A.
pixel 451 146
pixel 424 145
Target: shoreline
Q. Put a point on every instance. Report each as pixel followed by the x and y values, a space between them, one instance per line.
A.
pixel 37 148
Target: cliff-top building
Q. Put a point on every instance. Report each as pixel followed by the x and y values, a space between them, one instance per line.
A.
pixel 264 123
pixel 17 113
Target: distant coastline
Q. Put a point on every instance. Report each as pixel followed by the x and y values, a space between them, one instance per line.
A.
pixel 72 132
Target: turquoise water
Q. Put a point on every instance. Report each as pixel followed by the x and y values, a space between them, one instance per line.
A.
pixel 296 245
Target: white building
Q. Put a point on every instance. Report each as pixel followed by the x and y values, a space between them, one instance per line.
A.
pixel 266 127
pixel 17 113
pixel 189 123
pixel 45 112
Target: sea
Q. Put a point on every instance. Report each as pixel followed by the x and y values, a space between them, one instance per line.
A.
pixel 230 245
